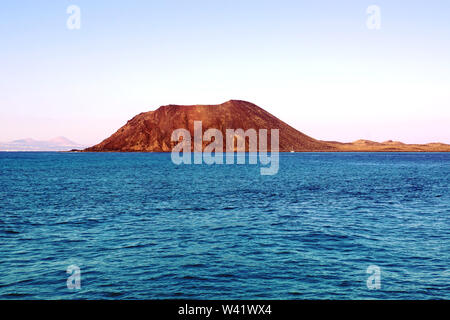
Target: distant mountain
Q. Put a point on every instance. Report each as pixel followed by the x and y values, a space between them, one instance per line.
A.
pixel 151 131
pixel 389 146
pixel 29 144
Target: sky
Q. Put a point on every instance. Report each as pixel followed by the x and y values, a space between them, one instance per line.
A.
pixel 317 65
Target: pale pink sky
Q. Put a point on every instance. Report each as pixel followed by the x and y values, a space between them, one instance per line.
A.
pixel 315 65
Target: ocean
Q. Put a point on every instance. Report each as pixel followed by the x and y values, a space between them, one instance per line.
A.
pixel 140 227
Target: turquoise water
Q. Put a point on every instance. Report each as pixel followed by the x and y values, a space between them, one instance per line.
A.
pixel 140 227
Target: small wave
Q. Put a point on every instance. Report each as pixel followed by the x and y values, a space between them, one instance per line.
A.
pixel 194 265
pixel 224 275
pixel 15 295
pixel 189 277
pixel 10 231
pixel 229 208
pixel 114 294
pixel 139 245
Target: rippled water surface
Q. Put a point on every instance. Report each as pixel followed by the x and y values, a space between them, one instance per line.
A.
pixel 140 227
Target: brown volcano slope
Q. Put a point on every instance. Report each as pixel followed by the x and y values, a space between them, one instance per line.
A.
pixel 151 131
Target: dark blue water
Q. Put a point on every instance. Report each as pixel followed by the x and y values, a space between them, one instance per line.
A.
pixel 140 227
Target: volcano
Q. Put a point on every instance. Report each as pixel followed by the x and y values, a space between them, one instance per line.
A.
pixel 152 131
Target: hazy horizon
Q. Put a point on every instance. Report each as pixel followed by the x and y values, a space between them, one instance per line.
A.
pixel 316 66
